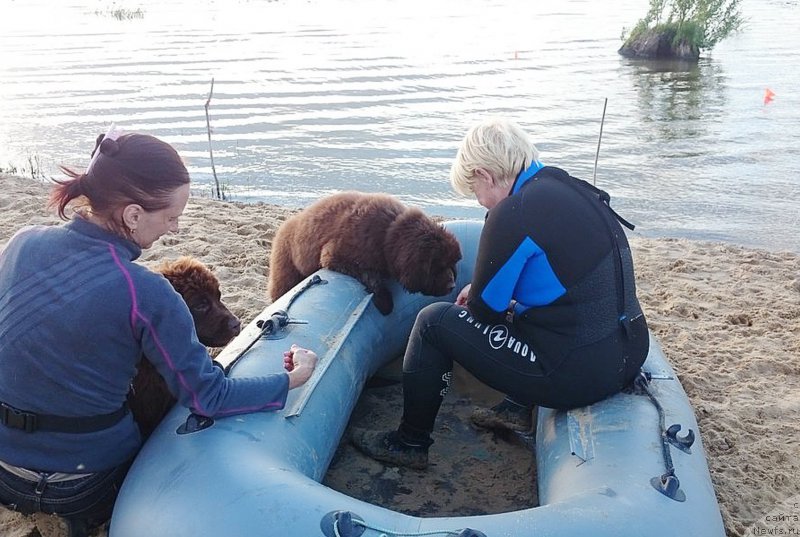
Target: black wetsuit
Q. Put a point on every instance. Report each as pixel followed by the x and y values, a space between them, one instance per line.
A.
pixel 553 253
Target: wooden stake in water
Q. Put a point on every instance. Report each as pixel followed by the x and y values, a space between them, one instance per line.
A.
pixel 597 154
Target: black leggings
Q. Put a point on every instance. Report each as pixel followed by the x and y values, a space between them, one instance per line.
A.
pixel 499 356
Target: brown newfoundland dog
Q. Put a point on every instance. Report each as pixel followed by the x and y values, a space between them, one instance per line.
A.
pixel 370 237
pixel 150 399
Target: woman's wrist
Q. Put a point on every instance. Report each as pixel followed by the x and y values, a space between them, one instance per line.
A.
pixel 299 375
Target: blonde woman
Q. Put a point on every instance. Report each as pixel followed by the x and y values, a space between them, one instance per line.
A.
pixel 551 317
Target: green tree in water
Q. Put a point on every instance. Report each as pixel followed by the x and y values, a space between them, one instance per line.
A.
pixel 681 28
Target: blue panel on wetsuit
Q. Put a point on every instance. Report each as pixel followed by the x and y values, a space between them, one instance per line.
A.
pixel 538 284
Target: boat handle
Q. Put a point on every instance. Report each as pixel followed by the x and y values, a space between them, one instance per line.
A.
pixel 684 443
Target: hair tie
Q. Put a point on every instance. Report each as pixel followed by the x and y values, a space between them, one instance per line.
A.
pixel 109 147
pixel 106 144
pixel 97 143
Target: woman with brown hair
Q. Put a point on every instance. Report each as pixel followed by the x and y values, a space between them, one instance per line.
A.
pixel 76 315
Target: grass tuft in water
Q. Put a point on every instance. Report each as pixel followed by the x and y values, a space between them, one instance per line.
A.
pixel 122 14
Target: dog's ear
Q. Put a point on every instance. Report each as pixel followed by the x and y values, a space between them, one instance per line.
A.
pixel 420 277
pixel 186 273
pixel 419 251
pixel 402 241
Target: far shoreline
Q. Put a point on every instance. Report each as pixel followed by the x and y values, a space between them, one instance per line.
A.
pixel 205 192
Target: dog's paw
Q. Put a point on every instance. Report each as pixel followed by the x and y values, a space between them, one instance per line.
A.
pixel 383 301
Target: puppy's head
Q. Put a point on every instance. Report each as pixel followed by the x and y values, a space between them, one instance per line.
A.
pixel 422 254
pixel 213 321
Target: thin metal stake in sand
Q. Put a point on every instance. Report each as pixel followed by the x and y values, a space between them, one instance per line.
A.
pixel 597 154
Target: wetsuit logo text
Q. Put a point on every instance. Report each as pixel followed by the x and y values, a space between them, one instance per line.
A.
pixel 446 379
pixel 500 337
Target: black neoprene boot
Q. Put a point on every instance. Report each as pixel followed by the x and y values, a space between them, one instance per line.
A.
pixel 505 415
pixel 391 448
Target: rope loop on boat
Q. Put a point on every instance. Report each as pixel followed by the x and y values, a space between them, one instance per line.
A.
pixel 388 533
pixel 349 523
pixel 314 280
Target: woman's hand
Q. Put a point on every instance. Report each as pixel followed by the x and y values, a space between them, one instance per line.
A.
pixel 300 364
pixel 461 300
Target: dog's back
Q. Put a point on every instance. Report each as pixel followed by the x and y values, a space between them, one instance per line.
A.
pixel 348 223
pixel 371 237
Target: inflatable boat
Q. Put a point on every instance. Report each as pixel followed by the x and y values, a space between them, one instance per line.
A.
pixel 631 465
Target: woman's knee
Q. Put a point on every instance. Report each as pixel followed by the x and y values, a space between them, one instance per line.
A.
pixel 431 315
pixel 424 346
pixel 428 323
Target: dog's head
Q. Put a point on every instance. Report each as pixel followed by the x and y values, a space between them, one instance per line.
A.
pixel 422 255
pixel 214 322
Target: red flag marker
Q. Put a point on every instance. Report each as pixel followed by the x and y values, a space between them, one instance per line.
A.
pixel 768 96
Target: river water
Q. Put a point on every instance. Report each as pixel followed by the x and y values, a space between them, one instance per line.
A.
pixel 315 96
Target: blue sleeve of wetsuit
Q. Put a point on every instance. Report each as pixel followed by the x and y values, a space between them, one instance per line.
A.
pixel 501 258
pixel 511 264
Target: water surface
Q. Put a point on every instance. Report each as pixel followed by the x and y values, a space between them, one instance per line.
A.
pixel 316 96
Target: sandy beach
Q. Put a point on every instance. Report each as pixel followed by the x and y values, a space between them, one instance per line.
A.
pixel 727 317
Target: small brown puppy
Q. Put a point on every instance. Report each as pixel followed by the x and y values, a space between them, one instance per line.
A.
pixel 370 237
pixel 150 399
pixel 214 322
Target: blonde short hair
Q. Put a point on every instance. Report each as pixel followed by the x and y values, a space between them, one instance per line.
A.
pixel 496 145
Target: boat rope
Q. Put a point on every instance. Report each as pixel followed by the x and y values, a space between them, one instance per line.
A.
pixel 644 384
pixel 667 483
pixel 382 532
pixel 277 320
pixel 314 280
pixel 388 533
pixel 349 529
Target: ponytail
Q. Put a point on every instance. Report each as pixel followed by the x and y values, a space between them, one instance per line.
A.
pixel 133 168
